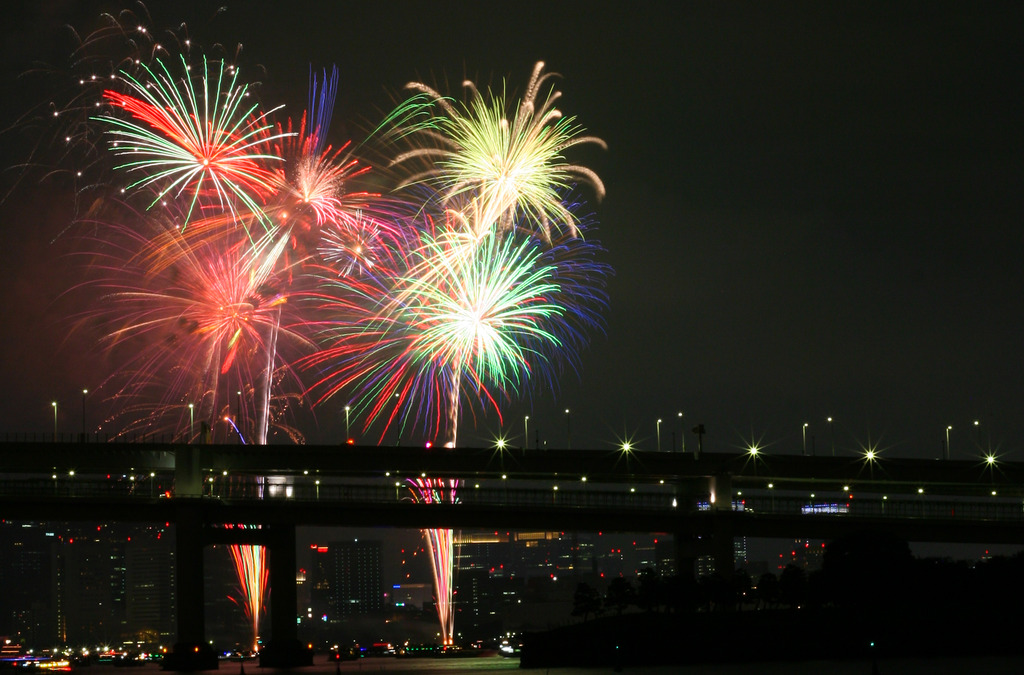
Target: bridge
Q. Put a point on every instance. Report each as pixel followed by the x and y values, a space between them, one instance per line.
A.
pixel 704 502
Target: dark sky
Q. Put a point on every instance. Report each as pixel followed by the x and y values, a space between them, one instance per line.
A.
pixel 812 209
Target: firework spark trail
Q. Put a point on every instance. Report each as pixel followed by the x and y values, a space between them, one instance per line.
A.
pixel 314 176
pixel 194 142
pixel 322 95
pixel 250 563
pixel 483 321
pixel 514 171
pixel 440 543
pixel 199 309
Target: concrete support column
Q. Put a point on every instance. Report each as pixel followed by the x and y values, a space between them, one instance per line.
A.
pixel 188 475
pixel 190 651
pixel 685 554
pixel 283 598
pixel 284 649
pixel 188 558
pixel 723 546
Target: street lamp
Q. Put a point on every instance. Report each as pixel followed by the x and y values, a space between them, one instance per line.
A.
pixel 54 404
pixel 682 433
pixel 347 436
pixel 831 438
pixel 526 431
pixel 84 392
pixel 948 429
pixel 659 434
pixel 191 422
pixel 805 438
pixel 568 429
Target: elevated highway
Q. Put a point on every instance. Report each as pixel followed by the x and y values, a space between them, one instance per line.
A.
pixel 704 502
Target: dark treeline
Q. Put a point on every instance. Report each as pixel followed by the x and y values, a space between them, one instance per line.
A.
pixel 871 597
pixel 863 571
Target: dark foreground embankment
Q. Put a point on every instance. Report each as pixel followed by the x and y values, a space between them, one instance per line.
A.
pixel 774 635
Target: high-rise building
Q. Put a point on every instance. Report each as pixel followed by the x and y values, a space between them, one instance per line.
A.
pixel 346 580
pixel 150 586
pixel 27 609
pixel 86 584
pixel 91 584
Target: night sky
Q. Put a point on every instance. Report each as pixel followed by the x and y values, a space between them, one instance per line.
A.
pixel 813 209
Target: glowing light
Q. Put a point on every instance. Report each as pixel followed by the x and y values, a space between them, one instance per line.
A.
pixel 189 142
pixel 250 566
pixel 510 169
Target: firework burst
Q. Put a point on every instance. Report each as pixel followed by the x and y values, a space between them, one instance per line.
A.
pixel 207 145
pixel 202 310
pixel 512 167
pixel 447 326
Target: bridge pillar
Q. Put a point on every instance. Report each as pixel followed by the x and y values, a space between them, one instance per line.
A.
pixel 283 649
pixel 686 554
pixel 723 546
pixel 188 475
pixel 191 651
pixel 722 528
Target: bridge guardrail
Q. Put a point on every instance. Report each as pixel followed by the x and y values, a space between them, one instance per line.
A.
pixel 652 499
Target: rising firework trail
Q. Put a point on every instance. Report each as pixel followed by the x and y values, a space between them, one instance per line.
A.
pixel 250 565
pixel 440 543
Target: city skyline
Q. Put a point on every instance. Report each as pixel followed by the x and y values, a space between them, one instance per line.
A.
pixel 811 213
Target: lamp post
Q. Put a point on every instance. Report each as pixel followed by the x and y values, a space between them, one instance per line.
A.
pixel 348 437
pixel 526 431
pixel 54 404
pixel 659 434
pixel 568 430
pixel 84 392
pixel 682 433
pixel 805 438
pixel 831 438
pixel 948 429
pixel 191 422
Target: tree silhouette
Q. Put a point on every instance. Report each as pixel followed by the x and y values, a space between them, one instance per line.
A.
pixel 650 594
pixel 682 593
pixel 768 592
pixel 743 587
pixel 586 601
pixel 717 592
pixel 868 569
pixel 793 585
pixel 620 595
